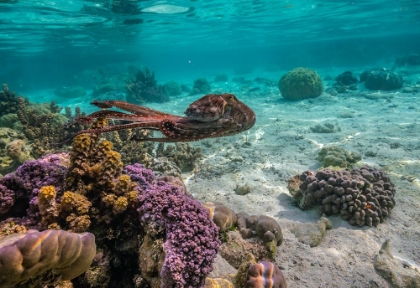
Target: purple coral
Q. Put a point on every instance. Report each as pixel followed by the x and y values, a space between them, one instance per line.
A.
pixel 138 173
pixel 191 237
pixel 7 199
pixel 25 183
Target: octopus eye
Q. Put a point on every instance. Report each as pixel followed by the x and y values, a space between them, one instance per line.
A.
pixel 230 97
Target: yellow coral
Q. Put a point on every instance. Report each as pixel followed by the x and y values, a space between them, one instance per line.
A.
pixel 132 196
pixel 109 199
pixel 105 145
pixel 47 205
pixel 218 283
pixel 120 205
pixel 75 202
pixel 46 193
pixel 81 143
pixel 123 185
pixel 78 224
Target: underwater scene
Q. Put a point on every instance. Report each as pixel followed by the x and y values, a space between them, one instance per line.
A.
pixel 208 143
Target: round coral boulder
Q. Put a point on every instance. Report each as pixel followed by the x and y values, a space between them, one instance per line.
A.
pixel 300 83
pixel 381 79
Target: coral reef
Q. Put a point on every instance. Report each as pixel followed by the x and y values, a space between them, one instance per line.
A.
pixel 345 81
pixel 172 88
pixel 126 208
pixel 363 196
pixel 17 152
pixel 12 152
pixel 264 227
pixel 346 78
pixel 23 256
pixel 408 60
pixel 163 166
pixel 224 217
pixel 184 155
pixel 300 83
pixel 381 79
pixel 191 237
pixel 201 86
pixel 8 101
pixel 43 124
pixel 144 88
pixel 336 156
pixel 20 189
pixel 265 275
pixel 235 249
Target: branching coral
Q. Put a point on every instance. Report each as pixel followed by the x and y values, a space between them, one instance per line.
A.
pixel 191 237
pixel 144 88
pixel 184 155
pixel 8 101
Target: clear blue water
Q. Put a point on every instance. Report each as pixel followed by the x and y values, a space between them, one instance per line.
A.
pixel 44 44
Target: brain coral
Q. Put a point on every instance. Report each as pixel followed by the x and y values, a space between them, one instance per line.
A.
pixel 300 83
pixel 23 256
pixel 363 196
pixel 265 275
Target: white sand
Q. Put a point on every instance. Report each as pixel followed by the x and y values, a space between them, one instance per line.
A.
pixel 282 146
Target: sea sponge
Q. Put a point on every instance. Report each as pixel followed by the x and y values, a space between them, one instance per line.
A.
pixel 363 196
pixel 23 256
pixel 222 216
pixel 300 83
pixel 265 275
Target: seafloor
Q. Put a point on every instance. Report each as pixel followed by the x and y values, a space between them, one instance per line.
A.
pixel 384 127
pixel 385 131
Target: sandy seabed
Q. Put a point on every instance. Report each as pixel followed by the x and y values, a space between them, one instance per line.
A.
pixel 384 131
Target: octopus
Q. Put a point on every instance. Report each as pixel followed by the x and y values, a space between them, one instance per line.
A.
pixel 213 115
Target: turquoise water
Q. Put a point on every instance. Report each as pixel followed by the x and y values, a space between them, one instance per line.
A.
pixel 67 51
pixel 45 44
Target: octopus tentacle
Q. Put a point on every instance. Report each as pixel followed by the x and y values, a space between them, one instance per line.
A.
pixel 116 115
pixel 136 109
